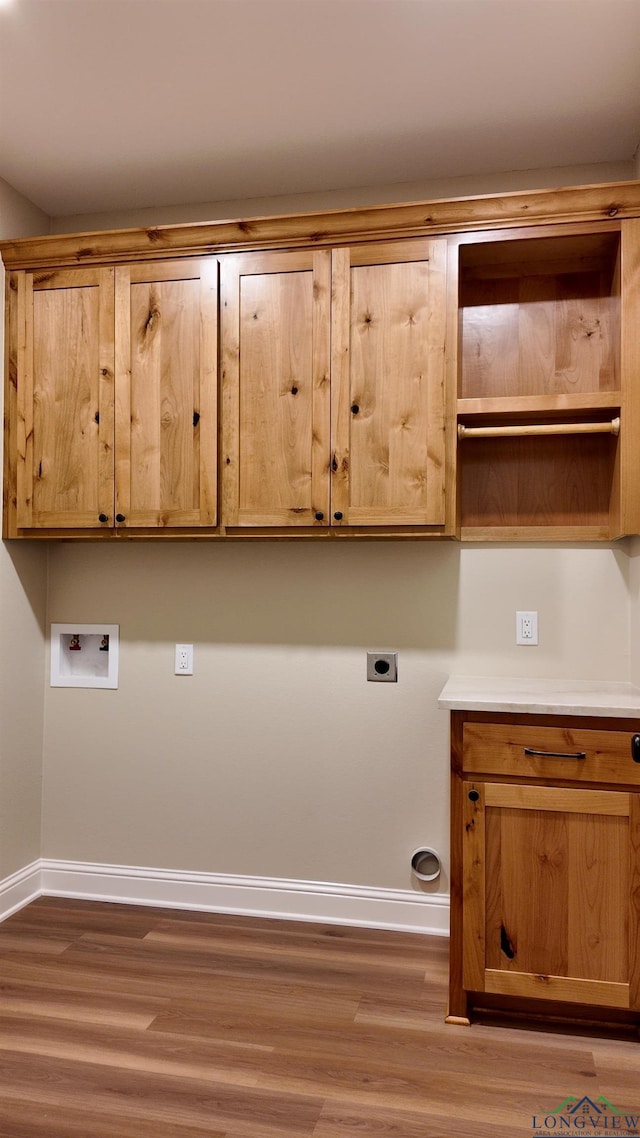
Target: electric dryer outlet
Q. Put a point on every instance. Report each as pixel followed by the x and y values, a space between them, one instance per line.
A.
pixel 382 667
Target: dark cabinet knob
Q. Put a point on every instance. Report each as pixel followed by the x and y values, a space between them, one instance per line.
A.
pixel 338 515
pixel 319 516
pixel 103 518
pixel 354 408
pixel 120 517
pixel 474 795
pixel 635 748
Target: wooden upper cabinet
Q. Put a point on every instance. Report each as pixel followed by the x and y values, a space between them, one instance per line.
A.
pixel 333 386
pixel 116 396
pixel 166 393
pixel 65 373
pixel 388 342
pixel 377 376
pixel 275 388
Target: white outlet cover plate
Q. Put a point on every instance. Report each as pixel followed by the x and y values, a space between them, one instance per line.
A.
pixel 84 655
pixel 184 654
pixel 526 620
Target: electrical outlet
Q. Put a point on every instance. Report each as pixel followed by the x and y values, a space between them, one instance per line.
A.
pixel 184 660
pixel 526 628
pixel 382 667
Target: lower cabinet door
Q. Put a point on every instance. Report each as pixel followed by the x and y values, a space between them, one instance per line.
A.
pixel 551 893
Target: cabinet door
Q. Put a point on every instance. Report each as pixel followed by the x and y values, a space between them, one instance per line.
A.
pixel 551 893
pixel 166 393
pixel 275 385
pixel 388 329
pixel 65 371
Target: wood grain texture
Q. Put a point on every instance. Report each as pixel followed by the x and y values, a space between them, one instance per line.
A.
pixel 65 425
pixel 13 283
pixel 549 874
pixel 275 383
pixel 501 748
pixel 457 1004
pixel 166 393
pixel 546 901
pixel 389 325
pixel 474 877
pixel 563 482
pixel 628 519
pixel 540 333
pixel 634 907
pixel 152 1023
pixel 579 204
pixel 543 285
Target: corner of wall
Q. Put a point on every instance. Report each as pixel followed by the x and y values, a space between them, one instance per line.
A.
pixel 23 575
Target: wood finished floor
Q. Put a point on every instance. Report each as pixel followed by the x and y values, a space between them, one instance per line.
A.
pixel 130 1022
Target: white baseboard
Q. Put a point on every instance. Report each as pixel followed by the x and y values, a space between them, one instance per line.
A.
pixel 19 889
pixel 401 909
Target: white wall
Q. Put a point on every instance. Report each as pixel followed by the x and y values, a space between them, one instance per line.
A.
pixel 278 758
pixel 22 626
pixel 425 190
pixel 634 609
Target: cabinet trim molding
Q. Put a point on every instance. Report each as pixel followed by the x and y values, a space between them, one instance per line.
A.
pixel 523 207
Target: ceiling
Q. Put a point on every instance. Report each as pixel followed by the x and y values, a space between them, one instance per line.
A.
pixel 120 104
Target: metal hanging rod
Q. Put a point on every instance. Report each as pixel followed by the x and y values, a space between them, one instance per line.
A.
pixel 610 427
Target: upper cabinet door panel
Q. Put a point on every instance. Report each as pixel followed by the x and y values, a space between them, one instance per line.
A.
pixel 275 383
pixel 166 393
pixel 65 368
pixel 389 311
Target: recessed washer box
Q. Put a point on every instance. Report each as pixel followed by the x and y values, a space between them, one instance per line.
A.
pixel 84 655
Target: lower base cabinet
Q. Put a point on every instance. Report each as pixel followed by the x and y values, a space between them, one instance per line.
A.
pixel 545 913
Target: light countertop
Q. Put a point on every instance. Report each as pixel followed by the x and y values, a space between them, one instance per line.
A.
pixel 540 696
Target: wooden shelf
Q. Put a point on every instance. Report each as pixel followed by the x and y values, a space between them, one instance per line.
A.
pixel 502 407
pixel 540 316
pixel 563 481
pixel 539 387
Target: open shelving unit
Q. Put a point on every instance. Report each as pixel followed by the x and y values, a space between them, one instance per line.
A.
pixel 539 407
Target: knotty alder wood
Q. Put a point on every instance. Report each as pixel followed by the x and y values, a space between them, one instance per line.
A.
pixel 539 321
pixel 134 1022
pixel 541 333
pixel 333 386
pixel 547 891
pixel 626 504
pixel 524 207
pixel 561 483
pixel 166 393
pixel 388 343
pixel 116 404
pixel 545 904
pixel 65 398
pixel 275 388
pixel 501 749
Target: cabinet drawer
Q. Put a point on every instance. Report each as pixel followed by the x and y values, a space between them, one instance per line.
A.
pixel 505 749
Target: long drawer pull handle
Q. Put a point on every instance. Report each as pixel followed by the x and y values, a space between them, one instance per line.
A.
pixel 556 754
